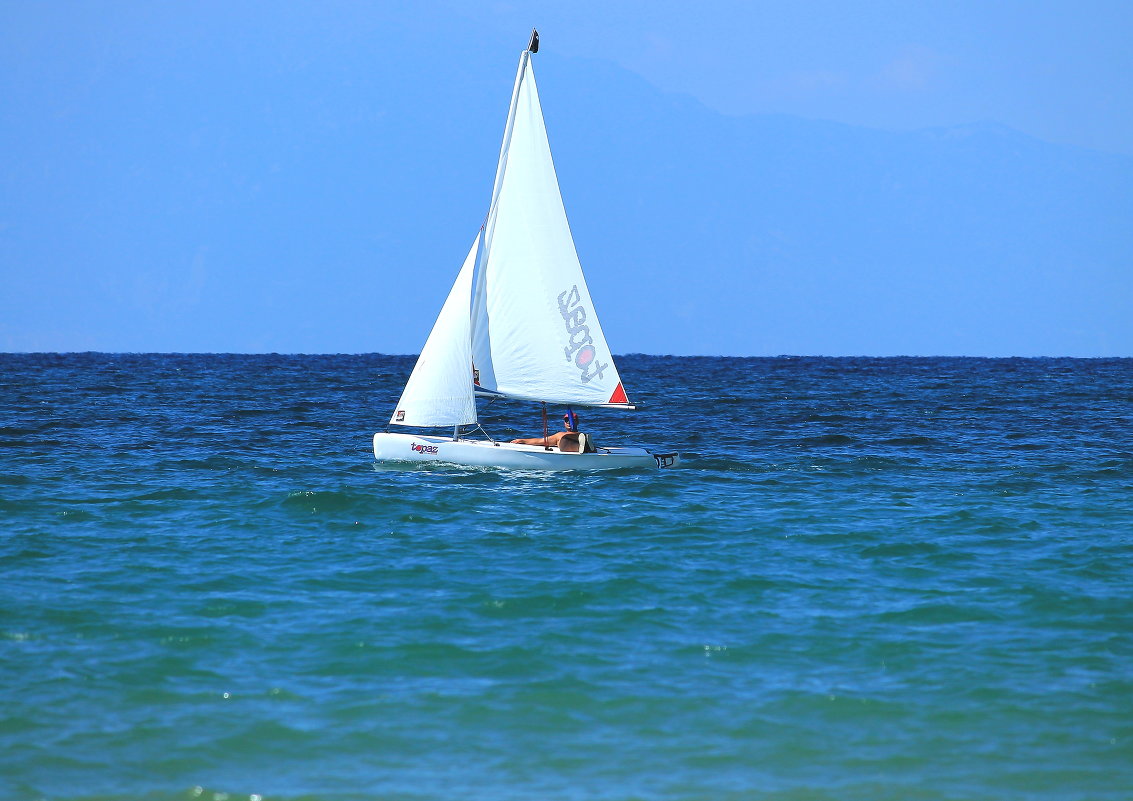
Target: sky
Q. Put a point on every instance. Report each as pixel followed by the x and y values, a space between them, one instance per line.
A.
pixel 824 178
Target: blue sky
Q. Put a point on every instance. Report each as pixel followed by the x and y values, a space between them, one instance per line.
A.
pixel 744 179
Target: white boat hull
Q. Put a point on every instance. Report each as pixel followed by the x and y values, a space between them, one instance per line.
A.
pixel 481 453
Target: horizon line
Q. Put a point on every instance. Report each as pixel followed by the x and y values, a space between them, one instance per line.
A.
pixel 615 355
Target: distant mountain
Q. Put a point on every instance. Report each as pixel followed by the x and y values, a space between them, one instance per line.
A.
pixel 772 234
pixel 217 193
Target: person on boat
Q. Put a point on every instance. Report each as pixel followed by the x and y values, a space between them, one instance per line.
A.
pixel 569 441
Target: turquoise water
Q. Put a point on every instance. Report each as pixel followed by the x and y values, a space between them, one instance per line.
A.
pixel 871 579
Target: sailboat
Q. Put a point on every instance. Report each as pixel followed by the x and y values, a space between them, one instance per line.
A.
pixel 519 323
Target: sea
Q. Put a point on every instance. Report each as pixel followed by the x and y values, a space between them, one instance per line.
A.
pixel 869 579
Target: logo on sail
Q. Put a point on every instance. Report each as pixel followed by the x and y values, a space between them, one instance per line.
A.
pixel 580 345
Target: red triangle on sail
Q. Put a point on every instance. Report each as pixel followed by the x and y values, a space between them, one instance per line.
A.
pixel 619 395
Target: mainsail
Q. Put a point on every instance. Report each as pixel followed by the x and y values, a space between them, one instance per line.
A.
pixel 535 333
pixel 519 320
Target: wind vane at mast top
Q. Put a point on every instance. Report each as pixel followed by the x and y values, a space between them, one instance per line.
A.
pixel 533 45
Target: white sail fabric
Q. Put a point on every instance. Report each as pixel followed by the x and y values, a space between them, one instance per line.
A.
pixel 535 334
pixel 439 391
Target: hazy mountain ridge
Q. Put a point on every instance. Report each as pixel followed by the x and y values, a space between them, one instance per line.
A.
pixel 312 205
pixel 1032 234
